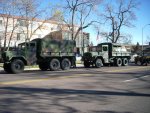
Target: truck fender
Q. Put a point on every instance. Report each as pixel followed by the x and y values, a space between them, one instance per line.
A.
pixel 20 58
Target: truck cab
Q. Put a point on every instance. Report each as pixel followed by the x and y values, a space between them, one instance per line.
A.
pixel 15 60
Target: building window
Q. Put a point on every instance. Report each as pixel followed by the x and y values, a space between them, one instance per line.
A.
pixel 22 23
pixel 18 36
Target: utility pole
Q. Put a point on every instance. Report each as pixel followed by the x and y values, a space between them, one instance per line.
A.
pixel 142 35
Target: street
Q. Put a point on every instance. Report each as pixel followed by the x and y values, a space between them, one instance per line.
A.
pixel 123 89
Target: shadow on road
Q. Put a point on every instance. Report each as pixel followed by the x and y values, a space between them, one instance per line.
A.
pixel 71 91
pixel 18 99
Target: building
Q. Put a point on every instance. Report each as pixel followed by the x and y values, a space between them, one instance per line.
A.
pixel 18 29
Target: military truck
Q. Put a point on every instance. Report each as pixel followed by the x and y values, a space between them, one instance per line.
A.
pixel 144 58
pixel 48 53
pixel 106 54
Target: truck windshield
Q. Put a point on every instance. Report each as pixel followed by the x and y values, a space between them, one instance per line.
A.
pixel 29 46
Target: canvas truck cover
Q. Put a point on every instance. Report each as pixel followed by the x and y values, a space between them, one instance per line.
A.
pixel 55 47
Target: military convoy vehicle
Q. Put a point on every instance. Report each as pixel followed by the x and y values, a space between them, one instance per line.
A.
pixel 106 53
pixel 48 53
pixel 143 59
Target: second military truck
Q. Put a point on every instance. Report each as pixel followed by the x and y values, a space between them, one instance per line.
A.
pixel 48 53
pixel 106 53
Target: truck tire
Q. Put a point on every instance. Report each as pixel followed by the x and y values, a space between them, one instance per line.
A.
pixel 118 62
pixel 139 63
pixel 98 63
pixel 7 68
pixel 65 64
pixel 43 67
pixel 86 64
pixel 54 64
pixel 125 62
pixel 17 66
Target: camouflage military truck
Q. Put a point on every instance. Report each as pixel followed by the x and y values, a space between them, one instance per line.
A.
pixel 48 53
pixel 106 53
pixel 143 58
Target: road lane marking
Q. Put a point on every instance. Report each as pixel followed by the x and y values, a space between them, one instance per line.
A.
pixel 137 68
pixel 21 81
pixel 129 80
pixel 41 80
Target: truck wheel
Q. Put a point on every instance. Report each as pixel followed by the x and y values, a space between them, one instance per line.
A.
pixel 17 66
pixel 86 64
pixel 65 64
pixel 125 62
pixel 139 63
pixel 98 63
pixel 43 67
pixel 118 62
pixel 7 68
pixel 54 64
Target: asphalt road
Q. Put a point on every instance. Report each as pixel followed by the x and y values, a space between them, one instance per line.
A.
pixel 78 90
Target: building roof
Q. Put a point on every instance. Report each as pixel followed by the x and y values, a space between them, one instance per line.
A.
pixel 33 19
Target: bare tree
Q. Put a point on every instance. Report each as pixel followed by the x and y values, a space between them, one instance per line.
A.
pixel 147 40
pixel 119 15
pixel 80 11
pixel 136 49
pixel 29 11
pixel 9 25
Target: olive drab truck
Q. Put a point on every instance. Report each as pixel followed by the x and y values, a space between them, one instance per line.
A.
pixel 106 53
pixel 48 53
pixel 144 58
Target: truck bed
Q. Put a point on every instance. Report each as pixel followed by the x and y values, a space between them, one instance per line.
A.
pixel 120 53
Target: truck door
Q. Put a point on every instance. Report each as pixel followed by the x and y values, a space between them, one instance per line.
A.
pixel 105 53
pixel 31 54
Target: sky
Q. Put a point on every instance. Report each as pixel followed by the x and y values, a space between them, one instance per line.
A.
pixel 143 18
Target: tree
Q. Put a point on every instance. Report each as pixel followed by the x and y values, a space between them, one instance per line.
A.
pixel 29 11
pixel 118 16
pixel 137 49
pixel 19 16
pixel 9 25
pixel 147 40
pixel 80 11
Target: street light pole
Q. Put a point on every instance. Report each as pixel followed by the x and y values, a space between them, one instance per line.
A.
pixel 142 35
